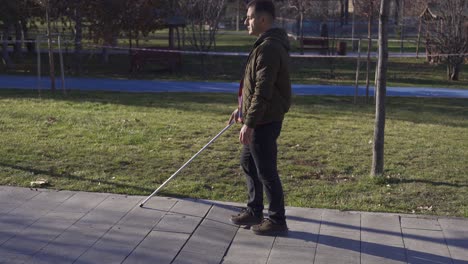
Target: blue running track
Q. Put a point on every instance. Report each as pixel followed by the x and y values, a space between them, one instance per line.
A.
pixel 139 86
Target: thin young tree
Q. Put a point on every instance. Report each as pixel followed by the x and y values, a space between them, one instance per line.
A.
pixel 46 6
pixel 368 9
pixel 203 17
pixel 301 7
pixel 448 36
pixel 379 129
pixel 71 13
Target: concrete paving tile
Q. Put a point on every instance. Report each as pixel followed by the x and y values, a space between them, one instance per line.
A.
pixel 158 203
pixel 81 202
pixel 333 255
pixel 348 240
pixel 222 213
pixel 342 221
pixel 188 257
pixel 52 215
pixel 456 224
pixel 12 258
pixel 57 253
pixel 288 254
pixel 17 194
pixel 381 229
pixel 174 222
pixel 6 207
pixel 34 209
pixel 105 254
pixel 303 229
pixel 419 257
pixel 425 246
pixel 338 246
pixel 20 245
pixel 52 196
pixel 72 243
pixel 111 210
pixel 193 208
pixel 158 247
pixel 121 235
pixel 296 238
pixel 420 223
pixel 149 215
pixel 10 225
pixel 382 253
pixel 459 261
pixel 210 241
pixel 218 225
pixel 249 248
pixel 48 227
pixel 115 245
pixel 389 223
pixel 457 242
pixel 311 216
pixel 36 236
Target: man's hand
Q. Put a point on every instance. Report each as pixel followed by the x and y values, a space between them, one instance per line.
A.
pixel 234 117
pixel 245 135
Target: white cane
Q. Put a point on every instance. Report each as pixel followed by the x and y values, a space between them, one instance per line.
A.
pixel 186 163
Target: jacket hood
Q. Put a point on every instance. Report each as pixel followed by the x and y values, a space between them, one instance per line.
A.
pixel 275 34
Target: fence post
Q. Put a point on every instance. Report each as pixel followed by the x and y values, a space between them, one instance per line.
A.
pixel 356 89
pixel 62 70
pixel 38 52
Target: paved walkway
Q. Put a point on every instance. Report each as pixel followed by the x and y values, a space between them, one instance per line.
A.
pixel 46 226
pixel 96 84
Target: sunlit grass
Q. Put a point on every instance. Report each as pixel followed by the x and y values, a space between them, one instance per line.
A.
pixel 131 143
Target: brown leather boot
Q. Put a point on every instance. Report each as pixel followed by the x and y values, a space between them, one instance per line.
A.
pixel 247 218
pixel 269 228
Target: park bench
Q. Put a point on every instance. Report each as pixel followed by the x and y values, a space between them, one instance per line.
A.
pixel 158 57
pixel 320 44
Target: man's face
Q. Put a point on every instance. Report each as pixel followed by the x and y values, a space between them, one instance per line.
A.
pixel 253 22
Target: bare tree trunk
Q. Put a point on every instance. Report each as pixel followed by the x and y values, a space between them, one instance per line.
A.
pixel 346 12
pixel 402 25
pixel 5 55
pixel 353 26
pixel 418 44
pixel 369 47
pixel 379 129
pixel 78 39
pixel 130 41
pixel 301 30
pixel 105 54
pixel 51 52
pixel 453 71
pixel 178 37
pixel 17 50
pixel 237 15
pixel 342 12
pixel 171 37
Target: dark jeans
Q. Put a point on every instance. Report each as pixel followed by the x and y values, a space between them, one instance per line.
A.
pixel 259 162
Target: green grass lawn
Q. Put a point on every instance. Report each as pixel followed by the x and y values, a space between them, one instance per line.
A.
pixel 131 143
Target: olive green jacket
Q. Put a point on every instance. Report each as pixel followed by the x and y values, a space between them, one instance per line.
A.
pixel 266 92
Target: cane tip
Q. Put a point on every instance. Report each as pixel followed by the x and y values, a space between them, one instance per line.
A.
pixel 141 205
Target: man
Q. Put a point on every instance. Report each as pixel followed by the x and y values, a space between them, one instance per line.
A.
pixel 264 98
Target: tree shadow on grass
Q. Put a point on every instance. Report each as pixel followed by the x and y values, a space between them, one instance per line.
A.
pixel 134 188
pixel 434 183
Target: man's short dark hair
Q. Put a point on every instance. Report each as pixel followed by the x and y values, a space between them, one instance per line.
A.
pixel 263 6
